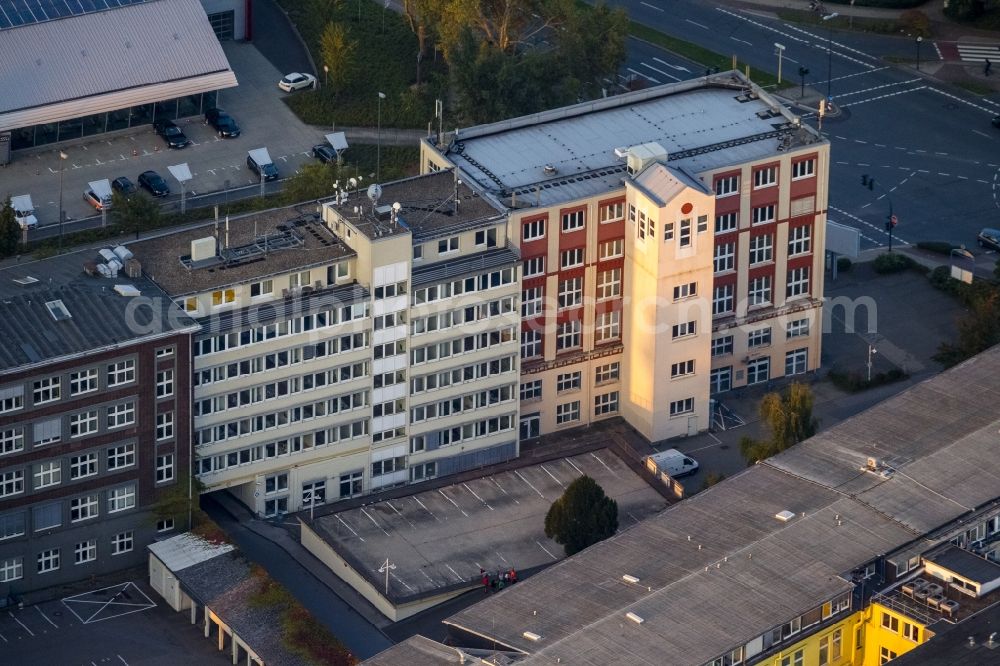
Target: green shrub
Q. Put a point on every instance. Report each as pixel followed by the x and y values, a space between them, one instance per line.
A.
pixel 940 247
pixel 843 264
pixel 892 262
pixel 853 381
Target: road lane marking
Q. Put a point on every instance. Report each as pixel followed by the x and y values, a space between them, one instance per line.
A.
pixel 645 76
pixel 703 27
pixel 659 71
pixel 677 67
pixel 659 9
pixel 741 41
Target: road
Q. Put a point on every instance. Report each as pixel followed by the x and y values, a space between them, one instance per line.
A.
pixel 930 147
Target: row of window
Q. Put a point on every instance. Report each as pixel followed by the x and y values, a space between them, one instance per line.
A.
pixel 81 424
pixel 610 249
pixel 759 291
pixel 46 561
pixel 764 177
pixel 759 370
pixel 281 418
pixel 283 447
pixel 465 315
pixel 466 373
pixel 466 403
pixel 723 346
pixel 573 220
pixel 51 515
pixel 467 344
pixel 466 432
pixel 50 389
pixel 439 292
pixel 569 335
pixel 605 404
pixel 571 381
pixel 762 249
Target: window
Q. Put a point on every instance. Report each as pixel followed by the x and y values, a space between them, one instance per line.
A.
pixel 890 622
pixel 798 282
pixel 84 423
pixel 611 249
pixel 48 560
pixel 82 382
pixel 12 525
pixel 120 373
pixel 571 258
pixel 350 484
pixel 607 373
pixel 611 212
pixel 568 412
pixel 570 293
pixel 720 380
pixel 11 569
pixel 685 234
pixel 886 655
pixel 164 383
pixel 122 543
pixel 85 551
pixel 487 237
pixel 682 369
pixel 723 299
pixel 803 169
pixel 534 266
pixel 668 232
pixel 278 506
pixel 11 441
pixel 533 230
pixel 191 304
pixel 799 240
pixel 685 406
pixel 726 222
pixel 608 327
pixel 276 483
pixel 763 214
pixel 48 473
pixel 313 493
pixel 722 346
pixel 795 659
pixel 262 288
pixel 302 279
pixel 164 524
pixel 418 252
pixel 569 335
pixel 802 206
pixel 682 330
pixel 46 390
pixel 531 302
pixel 765 177
pixel 46 516
pixel 759 370
pixel 570 381
pixel 702 224
pixel 760 291
pixel 11 483
pixel 797 329
pixel 727 185
pixel 911 631
pixel 606 403
pixel 164 425
pixel 837 644
pixel 531 390
pixel 446 245
pixel 225 297
pixel 164 467
pixel 120 499
pixel 572 221
pixel 83 508
pixel 796 361
pixel 531 344
pixel 163 352
pixel 759 337
pixel 388 466
pixel 685 290
pixel 11 399
pixel 423 472
pixel 725 257
pixel 761 249
pixel 82 466
pixel 120 415
pixel 609 284
pixel 121 456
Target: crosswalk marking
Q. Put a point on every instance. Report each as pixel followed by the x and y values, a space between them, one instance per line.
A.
pixel 979 52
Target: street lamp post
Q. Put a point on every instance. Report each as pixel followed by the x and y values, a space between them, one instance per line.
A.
pixel 62 166
pixel 779 49
pixel 378 149
pixel 871 352
pixel 326 75
pixel 802 75
pixel 919 40
pixel 829 53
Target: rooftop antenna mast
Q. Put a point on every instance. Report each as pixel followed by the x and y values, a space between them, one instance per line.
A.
pixel 454 191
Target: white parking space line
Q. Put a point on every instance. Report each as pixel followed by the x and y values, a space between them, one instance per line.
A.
pixel 351 529
pixel 594 456
pixel 545 469
pixel 520 476
pixel 485 503
pixel 40 612
pixel 403 582
pixel 677 67
pixel 23 625
pixel 453 502
pixel 460 579
pixel 497 484
pixel 981 133
pixel 500 555
pixel 426 509
pixel 3 638
pixel 659 71
pixel 374 522
pixel 659 9
pixel 573 465
pixel 122 659
pixel 548 552
pixel 400 514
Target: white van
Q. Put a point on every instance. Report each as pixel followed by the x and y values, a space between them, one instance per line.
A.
pixel 673 463
pixel 24 211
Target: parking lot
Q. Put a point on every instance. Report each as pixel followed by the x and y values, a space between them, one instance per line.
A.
pixel 256 105
pixel 120 624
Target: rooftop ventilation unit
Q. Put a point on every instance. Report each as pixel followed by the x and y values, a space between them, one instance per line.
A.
pixel 630 579
pixel 26 280
pixel 641 156
pixel 126 290
pixel 550 170
pixel 532 636
pixel 784 516
pixel 203 248
pixel 635 618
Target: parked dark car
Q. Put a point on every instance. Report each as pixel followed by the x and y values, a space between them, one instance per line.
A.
pixel 265 171
pixel 154 183
pixel 996 121
pixel 324 153
pixel 171 133
pixel 989 238
pixel 122 185
pixel 223 123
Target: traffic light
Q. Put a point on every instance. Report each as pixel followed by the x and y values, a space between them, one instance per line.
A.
pixel 803 71
pixel 867 181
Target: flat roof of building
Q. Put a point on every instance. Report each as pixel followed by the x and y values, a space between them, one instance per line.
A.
pixel 95 312
pixel 569 153
pixel 299 240
pixel 967 565
pixel 81 56
pixel 951 646
pixel 428 208
pixel 417 651
pixel 439 539
pixel 720 569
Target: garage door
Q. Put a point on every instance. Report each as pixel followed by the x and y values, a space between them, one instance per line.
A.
pixel 222 24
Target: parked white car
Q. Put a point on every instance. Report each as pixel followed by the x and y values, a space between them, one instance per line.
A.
pixel 24 211
pixel 297 81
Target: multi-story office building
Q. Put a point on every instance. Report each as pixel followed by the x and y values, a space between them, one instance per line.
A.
pixel 351 349
pixel 672 246
pixel 94 416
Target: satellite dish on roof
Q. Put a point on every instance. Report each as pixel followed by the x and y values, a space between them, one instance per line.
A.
pixel 397 206
pixel 374 192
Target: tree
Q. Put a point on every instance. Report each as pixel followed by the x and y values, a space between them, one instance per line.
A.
pixel 583 516
pixel 313 181
pixel 134 212
pixel 978 329
pixel 788 416
pixel 338 53
pixel 592 46
pixel 10 230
